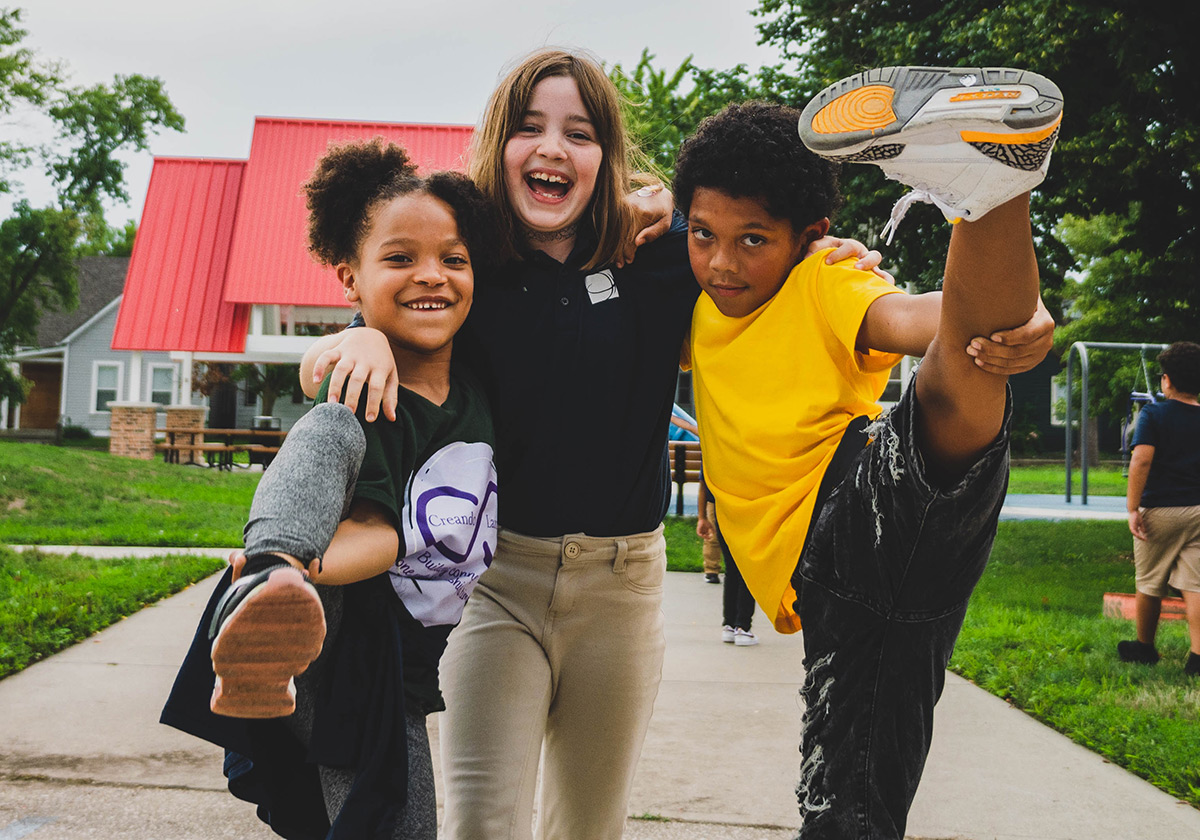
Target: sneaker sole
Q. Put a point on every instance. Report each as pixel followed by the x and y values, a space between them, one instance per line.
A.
pixel 1009 115
pixel 270 637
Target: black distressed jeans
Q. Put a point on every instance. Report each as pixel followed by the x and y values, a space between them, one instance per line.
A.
pixel 883 585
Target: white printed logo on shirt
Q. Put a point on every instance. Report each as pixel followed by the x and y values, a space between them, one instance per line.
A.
pixel 449 532
pixel 601 286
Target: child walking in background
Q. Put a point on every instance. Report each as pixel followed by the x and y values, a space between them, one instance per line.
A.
pixel 871 528
pixel 393 521
pixel 737 604
pixel 1163 500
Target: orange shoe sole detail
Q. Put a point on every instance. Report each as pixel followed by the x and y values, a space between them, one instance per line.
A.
pixel 1011 139
pixel 867 108
pixel 976 95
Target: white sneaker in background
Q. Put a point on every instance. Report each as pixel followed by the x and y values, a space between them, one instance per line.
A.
pixel 744 638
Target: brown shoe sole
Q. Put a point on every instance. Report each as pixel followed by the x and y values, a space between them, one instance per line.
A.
pixel 272 636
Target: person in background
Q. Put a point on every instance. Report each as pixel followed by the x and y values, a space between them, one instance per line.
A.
pixel 1163 501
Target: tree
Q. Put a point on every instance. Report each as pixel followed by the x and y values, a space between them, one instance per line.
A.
pixel 268 382
pixel 38 246
pixel 662 109
pixel 1120 204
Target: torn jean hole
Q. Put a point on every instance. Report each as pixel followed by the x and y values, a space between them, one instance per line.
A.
pixel 882 433
pixel 818 685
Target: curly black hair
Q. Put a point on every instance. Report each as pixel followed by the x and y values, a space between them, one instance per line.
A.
pixel 351 179
pixel 753 150
pixel 1181 362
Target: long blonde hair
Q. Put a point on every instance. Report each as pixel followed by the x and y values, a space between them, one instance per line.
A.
pixel 612 220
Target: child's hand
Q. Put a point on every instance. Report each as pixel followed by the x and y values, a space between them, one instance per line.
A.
pixel 237 559
pixel 363 357
pixel 844 249
pixel 1137 525
pixel 704 529
pixel 652 209
pixel 1017 350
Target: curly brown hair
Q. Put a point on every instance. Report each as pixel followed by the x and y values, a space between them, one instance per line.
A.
pixel 753 150
pixel 1181 362
pixel 352 179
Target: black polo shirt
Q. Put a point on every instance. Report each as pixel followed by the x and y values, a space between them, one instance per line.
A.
pixel 581 367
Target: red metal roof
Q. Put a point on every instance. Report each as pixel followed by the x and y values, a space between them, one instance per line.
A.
pixel 269 262
pixel 173 292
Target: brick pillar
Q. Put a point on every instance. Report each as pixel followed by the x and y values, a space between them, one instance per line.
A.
pixel 131 429
pixel 187 417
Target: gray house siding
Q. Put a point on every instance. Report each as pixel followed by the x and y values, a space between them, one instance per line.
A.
pixel 89 348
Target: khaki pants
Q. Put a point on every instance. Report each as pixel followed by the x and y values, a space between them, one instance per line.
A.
pixel 1171 552
pixel 559 655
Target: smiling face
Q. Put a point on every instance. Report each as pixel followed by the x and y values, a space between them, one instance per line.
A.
pixel 740 253
pixel 412 278
pixel 552 159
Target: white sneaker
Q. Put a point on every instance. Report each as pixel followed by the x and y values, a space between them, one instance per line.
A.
pixel 744 638
pixel 727 634
pixel 964 139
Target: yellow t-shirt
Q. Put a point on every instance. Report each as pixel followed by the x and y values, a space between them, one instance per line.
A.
pixel 774 392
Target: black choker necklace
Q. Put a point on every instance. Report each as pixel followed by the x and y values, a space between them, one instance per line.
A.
pixel 552 235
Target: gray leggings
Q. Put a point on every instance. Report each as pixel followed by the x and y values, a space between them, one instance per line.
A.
pixel 295 511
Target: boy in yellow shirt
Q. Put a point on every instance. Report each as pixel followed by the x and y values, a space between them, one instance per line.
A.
pixel 871 528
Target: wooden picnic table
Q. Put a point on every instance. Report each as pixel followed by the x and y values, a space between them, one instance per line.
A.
pixel 219 453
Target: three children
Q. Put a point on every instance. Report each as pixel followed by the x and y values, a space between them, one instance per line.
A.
pixel 875 542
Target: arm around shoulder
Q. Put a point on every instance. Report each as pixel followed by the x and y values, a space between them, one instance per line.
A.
pixel 360 358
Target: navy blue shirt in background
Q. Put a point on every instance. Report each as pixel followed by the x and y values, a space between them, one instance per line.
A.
pixel 1173 429
pixel 580 367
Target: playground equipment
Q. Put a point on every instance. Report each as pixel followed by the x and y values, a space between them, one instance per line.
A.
pixel 1082 348
pixel 1137 399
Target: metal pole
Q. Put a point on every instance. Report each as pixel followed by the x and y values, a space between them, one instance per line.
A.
pixel 1070 351
pixel 1082 346
pixel 1083 426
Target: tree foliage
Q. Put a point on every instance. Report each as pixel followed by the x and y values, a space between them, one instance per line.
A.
pixel 661 108
pixel 1118 214
pixel 38 246
pixel 1116 219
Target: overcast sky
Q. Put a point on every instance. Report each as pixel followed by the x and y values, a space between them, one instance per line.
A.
pixel 226 61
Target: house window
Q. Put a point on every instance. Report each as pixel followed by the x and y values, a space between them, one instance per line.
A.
pixel 106 384
pixel 162 384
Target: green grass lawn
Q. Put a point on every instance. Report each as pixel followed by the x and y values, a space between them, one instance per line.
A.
pixel 48 602
pixel 1034 635
pixel 62 496
pixel 1102 481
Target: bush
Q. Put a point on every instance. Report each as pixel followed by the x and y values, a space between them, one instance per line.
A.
pixel 70 432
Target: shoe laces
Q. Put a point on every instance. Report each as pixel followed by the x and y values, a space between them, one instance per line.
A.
pixel 900 209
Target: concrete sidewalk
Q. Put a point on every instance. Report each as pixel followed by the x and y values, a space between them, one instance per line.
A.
pixel 83 756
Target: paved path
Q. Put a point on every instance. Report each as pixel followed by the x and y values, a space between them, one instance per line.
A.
pixel 1016 506
pixel 82 756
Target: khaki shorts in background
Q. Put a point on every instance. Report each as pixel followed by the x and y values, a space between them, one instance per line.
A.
pixel 1171 555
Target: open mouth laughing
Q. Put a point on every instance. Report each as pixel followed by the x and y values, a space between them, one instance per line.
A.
pixel 548 186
